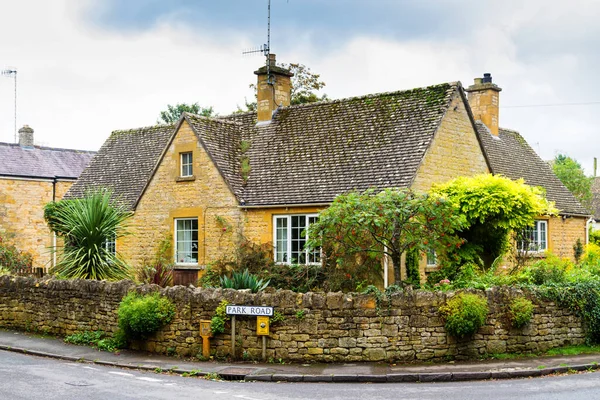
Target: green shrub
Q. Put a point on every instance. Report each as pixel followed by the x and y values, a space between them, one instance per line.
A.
pixel 142 315
pixel 550 270
pixel 465 313
pixel 243 280
pixel 520 312
pixel 217 323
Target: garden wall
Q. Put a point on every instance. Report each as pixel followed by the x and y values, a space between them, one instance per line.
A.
pixel 317 326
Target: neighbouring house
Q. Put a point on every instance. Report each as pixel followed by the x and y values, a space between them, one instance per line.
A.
pixel 30 177
pixel 266 175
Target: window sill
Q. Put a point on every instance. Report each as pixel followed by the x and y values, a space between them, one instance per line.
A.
pixel 188 266
pixel 432 268
pixel 185 178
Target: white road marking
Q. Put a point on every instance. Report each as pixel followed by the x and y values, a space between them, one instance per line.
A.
pixel 143 378
pixel 120 373
pixel 92 368
pixel 220 392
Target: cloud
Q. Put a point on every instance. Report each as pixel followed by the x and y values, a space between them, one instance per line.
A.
pixel 89 67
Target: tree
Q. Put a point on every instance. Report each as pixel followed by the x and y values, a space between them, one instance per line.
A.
pixel 305 84
pixel 389 222
pixel 494 207
pixel 173 113
pixel 86 225
pixel 570 173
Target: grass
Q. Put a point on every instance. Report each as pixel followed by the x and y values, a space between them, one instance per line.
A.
pixel 573 350
pixel 559 351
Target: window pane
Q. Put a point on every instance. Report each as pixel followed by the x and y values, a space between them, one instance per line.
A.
pixel 315 255
pixel 431 257
pixel 298 241
pixel 281 240
pixel 542 235
pixel 187 240
pixel 186 164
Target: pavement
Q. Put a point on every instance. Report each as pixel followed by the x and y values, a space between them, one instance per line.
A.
pixel 45 346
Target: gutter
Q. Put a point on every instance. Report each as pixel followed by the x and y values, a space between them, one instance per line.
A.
pixel 287 205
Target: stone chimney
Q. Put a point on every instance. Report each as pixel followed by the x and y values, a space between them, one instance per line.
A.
pixel 26 136
pixel 484 99
pixel 274 87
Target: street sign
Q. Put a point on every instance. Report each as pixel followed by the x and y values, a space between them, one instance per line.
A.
pixel 249 310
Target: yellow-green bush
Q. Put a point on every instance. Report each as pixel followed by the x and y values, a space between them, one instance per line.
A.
pixel 141 316
pixel 520 312
pixel 465 313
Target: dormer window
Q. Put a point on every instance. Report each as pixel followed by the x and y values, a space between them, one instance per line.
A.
pixel 186 163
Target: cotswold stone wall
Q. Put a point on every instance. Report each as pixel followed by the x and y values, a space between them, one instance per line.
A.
pixel 317 326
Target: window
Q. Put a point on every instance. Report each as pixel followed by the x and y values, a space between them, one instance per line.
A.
pixel 289 237
pixel 535 238
pixel 431 258
pixel 186 164
pixel 111 244
pixel 186 241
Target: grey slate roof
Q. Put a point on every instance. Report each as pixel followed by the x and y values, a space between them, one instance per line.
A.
pixel 311 153
pixel 307 154
pixel 42 162
pixel 511 156
pixel 124 164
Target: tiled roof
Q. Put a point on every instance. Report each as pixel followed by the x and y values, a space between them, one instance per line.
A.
pixel 124 163
pixel 307 154
pixel 42 162
pixel 511 156
pixel 311 153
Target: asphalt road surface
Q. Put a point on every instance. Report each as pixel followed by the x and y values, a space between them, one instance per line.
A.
pixel 30 377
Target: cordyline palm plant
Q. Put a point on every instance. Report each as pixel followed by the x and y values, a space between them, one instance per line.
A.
pixel 244 280
pixel 86 225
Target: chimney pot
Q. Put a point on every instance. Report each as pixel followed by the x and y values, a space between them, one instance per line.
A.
pixel 478 81
pixel 26 136
pixel 271 59
pixel 487 78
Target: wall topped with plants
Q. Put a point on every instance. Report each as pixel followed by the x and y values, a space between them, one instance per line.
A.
pixel 402 326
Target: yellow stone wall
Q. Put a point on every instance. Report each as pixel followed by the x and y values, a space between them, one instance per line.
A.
pixel 454 152
pixel 22 215
pixel 204 196
pixel 563 234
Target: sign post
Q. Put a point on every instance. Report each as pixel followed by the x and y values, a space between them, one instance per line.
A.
pixel 262 314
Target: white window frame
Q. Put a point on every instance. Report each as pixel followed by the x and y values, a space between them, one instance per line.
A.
pixel 111 245
pixel 186 164
pixel 431 257
pixel 537 241
pixel 288 248
pixel 175 248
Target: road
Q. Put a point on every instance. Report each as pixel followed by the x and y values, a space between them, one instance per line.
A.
pixel 29 377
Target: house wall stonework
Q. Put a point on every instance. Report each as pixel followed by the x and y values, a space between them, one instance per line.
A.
pixel 206 196
pixel 22 215
pixel 563 234
pixel 336 327
pixel 455 150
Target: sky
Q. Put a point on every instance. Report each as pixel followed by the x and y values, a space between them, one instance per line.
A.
pixel 88 67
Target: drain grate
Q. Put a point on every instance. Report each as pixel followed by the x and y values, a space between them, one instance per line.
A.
pixel 235 374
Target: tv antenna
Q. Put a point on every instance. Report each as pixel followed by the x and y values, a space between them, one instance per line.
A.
pixel 265 49
pixel 8 73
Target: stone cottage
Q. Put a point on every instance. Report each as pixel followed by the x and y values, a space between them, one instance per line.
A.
pixel 30 177
pixel 266 175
